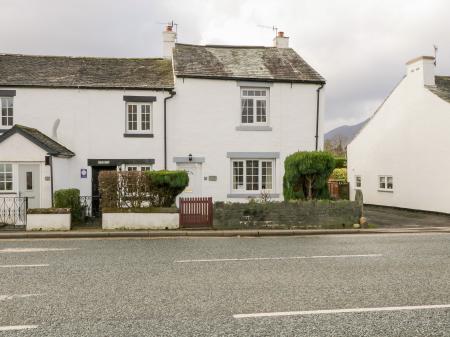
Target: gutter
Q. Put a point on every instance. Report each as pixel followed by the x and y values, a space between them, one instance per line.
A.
pixel 317 115
pixel 172 93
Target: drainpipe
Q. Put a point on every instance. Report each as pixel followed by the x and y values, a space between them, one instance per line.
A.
pixel 317 115
pixel 50 163
pixel 172 93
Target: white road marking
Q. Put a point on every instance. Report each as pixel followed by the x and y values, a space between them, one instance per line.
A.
pixel 14 296
pixel 340 311
pixel 33 250
pixel 17 327
pixel 280 258
pixel 23 265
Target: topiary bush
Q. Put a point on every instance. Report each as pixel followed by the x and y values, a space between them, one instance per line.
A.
pixel 306 175
pixel 69 198
pixel 339 174
pixel 167 185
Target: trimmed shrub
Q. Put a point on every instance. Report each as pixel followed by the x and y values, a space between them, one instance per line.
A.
pixel 340 162
pixel 339 174
pixel 167 185
pixel 136 189
pixel 306 175
pixel 69 198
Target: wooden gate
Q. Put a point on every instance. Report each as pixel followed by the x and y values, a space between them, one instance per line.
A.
pixel 196 212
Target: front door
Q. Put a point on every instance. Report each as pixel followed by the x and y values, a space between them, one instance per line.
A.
pixel 95 187
pixel 29 184
pixel 194 171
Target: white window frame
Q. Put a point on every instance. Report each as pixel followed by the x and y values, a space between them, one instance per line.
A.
pixel 265 98
pixel 356 182
pixel 4 180
pixel 139 120
pixel 138 167
pixel 385 188
pixel 8 110
pixel 244 189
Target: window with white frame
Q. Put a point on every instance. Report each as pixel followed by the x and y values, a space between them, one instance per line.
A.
pixel 385 183
pixel 7 118
pixel 6 177
pixel 139 118
pixel 141 168
pixel 252 175
pixel 254 106
pixel 358 182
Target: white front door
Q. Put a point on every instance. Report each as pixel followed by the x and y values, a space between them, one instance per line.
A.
pixel 29 184
pixel 194 171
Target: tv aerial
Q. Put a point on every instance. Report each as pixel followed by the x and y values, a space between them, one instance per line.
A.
pixel 273 28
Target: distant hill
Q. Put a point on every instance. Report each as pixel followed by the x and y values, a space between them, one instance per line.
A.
pixel 346 133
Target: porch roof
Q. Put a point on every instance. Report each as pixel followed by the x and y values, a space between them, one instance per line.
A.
pixel 37 137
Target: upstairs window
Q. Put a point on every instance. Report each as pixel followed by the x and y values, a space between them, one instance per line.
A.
pixel 139 118
pixel 358 182
pixel 254 106
pixel 142 168
pixel 7 111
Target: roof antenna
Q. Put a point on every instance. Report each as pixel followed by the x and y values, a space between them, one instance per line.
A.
pixel 435 54
pixel 170 24
pixel 274 29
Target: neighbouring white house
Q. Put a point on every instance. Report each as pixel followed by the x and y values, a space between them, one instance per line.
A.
pixel 401 158
pixel 229 115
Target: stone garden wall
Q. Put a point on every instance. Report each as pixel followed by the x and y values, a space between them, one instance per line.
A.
pixel 294 214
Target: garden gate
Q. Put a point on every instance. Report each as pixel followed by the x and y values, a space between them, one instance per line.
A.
pixel 13 211
pixel 196 212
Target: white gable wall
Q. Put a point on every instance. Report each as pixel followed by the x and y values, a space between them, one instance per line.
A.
pixel 408 139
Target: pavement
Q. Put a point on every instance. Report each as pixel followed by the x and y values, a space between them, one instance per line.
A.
pixel 322 285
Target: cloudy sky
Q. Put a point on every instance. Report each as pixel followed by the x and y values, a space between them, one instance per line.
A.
pixel 360 47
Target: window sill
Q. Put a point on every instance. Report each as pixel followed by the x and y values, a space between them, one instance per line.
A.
pixel 6 192
pixel 138 135
pixel 386 191
pixel 253 128
pixel 251 195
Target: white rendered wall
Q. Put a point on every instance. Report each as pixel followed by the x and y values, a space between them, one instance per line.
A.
pixel 92 124
pixel 48 222
pixel 203 117
pixel 140 220
pixel 409 139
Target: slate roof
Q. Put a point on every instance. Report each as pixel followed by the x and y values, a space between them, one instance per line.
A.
pixel 85 72
pixel 241 62
pixel 40 139
pixel 442 88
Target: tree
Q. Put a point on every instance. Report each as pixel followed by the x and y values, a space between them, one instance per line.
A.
pixel 306 175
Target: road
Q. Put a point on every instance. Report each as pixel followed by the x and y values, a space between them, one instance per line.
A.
pixel 331 285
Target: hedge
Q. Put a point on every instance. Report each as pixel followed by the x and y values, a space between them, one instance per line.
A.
pixel 141 189
pixel 340 162
pixel 306 175
pixel 69 198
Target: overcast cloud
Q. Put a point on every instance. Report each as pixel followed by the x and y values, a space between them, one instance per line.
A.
pixel 360 47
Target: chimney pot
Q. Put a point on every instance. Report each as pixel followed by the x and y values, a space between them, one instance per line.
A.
pixel 280 34
pixel 169 39
pixel 168 28
pixel 281 41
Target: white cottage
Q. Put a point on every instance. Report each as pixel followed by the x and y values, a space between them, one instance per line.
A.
pixel 229 115
pixel 401 158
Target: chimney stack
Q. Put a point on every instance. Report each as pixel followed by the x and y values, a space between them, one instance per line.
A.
pixel 421 69
pixel 281 41
pixel 169 39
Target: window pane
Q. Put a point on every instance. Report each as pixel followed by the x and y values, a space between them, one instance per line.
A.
pixel 238 175
pixel 382 182
pixel 145 117
pixel 247 110
pixel 266 175
pixel 390 184
pixel 252 175
pixel 132 117
pixel 358 181
pixel 29 176
pixel 6 180
pixel 131 168
pixel 260 111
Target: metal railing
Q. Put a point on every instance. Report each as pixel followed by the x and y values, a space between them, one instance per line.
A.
pixel 13 210
pixel 90 206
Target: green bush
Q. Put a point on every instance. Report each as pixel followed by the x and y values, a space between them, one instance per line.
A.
pixel 69 198
pixel 339 174
pixel 340 162
pixel 167 185
pixel 306 175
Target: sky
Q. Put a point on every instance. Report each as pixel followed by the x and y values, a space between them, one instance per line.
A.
pixel 360 47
